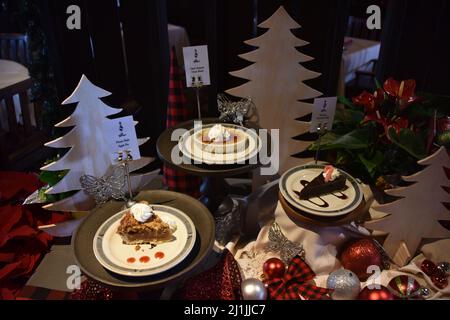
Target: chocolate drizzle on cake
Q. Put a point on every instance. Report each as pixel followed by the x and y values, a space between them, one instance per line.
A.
pixel 322 185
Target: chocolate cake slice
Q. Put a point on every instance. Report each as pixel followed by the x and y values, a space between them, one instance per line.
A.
pixel 327 182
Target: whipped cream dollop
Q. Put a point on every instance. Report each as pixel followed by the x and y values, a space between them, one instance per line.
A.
pixel 330 173
pixel 141 212
pixel 172 225
pixel 219 133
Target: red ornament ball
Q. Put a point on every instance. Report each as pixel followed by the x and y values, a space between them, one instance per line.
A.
pixel 382 293
pixel 406 287
pixel 428 267
pixel 359 255
pixel 439 280
pixel 274 268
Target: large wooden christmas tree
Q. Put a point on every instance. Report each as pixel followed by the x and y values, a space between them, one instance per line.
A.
pixel 276 83
pixel 417 214
pixel 89 153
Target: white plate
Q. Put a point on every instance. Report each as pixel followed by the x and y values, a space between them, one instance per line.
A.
pixel 330 205
pixel 113 254
pixel 186 145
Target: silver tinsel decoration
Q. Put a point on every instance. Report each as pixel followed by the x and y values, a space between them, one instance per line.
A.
pixel 278 243
pixel 233 111
pixel 107 187
pixel 345 285
pixel 253 289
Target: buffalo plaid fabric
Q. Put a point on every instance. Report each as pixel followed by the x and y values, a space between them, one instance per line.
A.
pixel 177 112
pixel 295 284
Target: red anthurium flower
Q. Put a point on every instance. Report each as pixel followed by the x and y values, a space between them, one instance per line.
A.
pixel 399 123
pixel 375 116
pixel 403 91
pixel 379 96
pixel 367 100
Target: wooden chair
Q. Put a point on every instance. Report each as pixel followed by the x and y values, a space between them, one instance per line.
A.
pixel 21 147
pixel 364 80
pixel 365 77
pixel 13 46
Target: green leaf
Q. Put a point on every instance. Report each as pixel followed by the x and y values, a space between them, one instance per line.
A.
pixel 348 116
pixel 378 84
pixel 356 139
pixel 345 101
pixel 373 163
pixel 52 177
pixel 434 102
pixel 327 138
pixel 408 141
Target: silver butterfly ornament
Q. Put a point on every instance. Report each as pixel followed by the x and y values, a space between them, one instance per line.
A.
pixel 233 111
pixel 107 187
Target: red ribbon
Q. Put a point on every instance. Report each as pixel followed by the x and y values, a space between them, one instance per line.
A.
pixel 296 284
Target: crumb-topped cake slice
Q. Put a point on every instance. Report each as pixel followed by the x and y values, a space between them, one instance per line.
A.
pixel 141 225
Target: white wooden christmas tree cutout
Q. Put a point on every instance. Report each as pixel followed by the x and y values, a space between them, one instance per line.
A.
pixel 89 153
pixel 276 83
pixel 416 216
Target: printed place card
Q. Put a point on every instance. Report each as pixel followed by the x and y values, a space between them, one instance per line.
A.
pixel 121 135
pixel 196 66
pixel 323 114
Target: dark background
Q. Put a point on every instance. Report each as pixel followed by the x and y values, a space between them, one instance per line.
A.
pixel 414 36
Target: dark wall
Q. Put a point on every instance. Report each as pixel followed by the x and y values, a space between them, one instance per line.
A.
pixel 230 22
pixel 414 44
pixel 135 69
pixel 10 21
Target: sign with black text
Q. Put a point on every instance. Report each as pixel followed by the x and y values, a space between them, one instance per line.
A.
pixel 323 114
pixel 121 135
pixel 196 65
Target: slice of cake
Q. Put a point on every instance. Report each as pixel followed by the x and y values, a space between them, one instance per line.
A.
pixel 141 225
pixel 329 181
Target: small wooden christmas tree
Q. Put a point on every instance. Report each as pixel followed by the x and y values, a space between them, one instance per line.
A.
pixel 276 83
pixel 89 153
pixel 416 215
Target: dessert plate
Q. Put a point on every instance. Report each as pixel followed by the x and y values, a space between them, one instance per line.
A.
pixel 330 205
pixel 144 259
pixel 253 146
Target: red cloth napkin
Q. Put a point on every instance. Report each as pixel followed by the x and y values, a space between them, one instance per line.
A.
pixel 22 244
pixel 222 282
pixel 177 112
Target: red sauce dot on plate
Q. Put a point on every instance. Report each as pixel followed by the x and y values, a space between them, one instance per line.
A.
pixel 159 255
pixel 131 260
pixel 144 259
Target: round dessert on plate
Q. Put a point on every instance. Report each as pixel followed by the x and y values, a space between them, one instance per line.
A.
pixel 220 144
pixel 144 240
pixel 221 139
pixel 321 190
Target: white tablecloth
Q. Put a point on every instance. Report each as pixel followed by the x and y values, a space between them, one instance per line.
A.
pixel 12 72
pixel 357 53
pixel 178 38
pixel 321 244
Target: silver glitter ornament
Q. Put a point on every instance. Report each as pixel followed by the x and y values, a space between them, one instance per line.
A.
pixel 278 243
pixel 424 292
pixel 107 187
pixel 231 111
pixel 444 267
pixel 345 285
pixel 253 289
